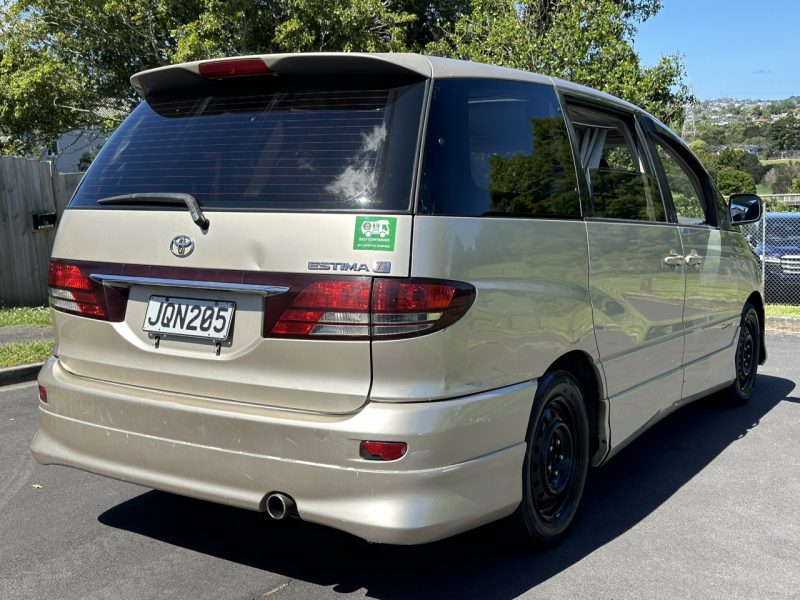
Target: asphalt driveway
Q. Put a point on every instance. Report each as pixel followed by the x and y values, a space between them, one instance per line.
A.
pixel 705 505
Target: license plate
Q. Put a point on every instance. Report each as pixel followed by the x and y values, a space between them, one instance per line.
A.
pixel 208 319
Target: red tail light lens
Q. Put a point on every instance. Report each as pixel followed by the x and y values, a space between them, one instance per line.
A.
pixel 360 308
pixel 328 308
pixel 42 394
pixel 71 290
pixel 416 306
pixel 382 450
pixel 234 67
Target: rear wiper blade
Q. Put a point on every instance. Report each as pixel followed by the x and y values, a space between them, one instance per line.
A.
pixel 162 198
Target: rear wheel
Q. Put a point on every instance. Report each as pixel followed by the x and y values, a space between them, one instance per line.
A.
pixel 748 351
pixel 556 460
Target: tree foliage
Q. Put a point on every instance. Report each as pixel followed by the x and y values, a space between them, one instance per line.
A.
pixel 742 160
pixel 584 41
pixel 65 64
pixel 733 181
pixel 785 133
pixel 781 176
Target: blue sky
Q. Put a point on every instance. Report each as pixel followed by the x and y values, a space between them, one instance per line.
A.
pixel 731 48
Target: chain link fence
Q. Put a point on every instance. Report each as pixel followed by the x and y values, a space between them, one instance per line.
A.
pixel 775 239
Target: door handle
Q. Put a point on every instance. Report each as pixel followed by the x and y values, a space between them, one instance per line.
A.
pixel 674 260
pixel 694 260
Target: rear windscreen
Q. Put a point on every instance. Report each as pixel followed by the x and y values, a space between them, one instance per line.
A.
pixel 275 145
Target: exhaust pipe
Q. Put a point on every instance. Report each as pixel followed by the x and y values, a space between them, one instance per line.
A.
pixel 280 506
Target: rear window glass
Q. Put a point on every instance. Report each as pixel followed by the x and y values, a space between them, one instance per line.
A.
pixel 275 145
pixel 497 148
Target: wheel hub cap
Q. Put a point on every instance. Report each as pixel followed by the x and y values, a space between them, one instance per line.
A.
pixel 557 457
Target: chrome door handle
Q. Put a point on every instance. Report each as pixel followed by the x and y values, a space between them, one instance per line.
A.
pixel 693 260
pixel 674 260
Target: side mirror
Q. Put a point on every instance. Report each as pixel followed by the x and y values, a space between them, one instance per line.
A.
pixel 745 208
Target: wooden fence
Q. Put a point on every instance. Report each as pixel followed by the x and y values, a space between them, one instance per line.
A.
pixel 787 199
pixel 28 188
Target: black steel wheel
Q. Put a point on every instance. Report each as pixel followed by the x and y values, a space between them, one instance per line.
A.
pixel 748 352
pixel 556 460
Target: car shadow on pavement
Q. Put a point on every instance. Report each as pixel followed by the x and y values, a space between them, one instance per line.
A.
pixel 481 563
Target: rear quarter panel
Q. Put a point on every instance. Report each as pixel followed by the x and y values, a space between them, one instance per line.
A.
pixel 532 306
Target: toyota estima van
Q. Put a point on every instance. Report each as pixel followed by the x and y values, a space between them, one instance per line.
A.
pixel 553 272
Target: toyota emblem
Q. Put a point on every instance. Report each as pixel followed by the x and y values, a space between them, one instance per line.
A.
pixel 181 246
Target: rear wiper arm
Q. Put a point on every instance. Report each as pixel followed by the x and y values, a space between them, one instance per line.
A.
pixel 162 198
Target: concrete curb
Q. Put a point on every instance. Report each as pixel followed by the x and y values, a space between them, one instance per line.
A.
pixel 791 324
pixel 12 375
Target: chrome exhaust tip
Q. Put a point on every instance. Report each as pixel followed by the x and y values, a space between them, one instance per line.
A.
pixel 280 506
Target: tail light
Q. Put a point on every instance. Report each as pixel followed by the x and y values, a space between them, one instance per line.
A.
pixel 233 67
pixel 71 290
pixel 361 308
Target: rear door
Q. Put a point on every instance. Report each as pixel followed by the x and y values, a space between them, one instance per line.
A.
pixel 636 279
pixel 292 174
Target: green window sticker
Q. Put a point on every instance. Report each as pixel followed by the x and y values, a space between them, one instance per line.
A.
pixel 375 233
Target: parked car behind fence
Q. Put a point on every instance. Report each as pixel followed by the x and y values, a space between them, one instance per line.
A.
pixel 776 241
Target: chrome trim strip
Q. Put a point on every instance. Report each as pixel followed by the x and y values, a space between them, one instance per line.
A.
pixel 219 286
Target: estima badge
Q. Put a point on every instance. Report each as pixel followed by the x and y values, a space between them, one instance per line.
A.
pixel 337 266
pixel 382 266
pixel 181 246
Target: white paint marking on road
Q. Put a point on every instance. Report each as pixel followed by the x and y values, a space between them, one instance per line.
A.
pixel 277 589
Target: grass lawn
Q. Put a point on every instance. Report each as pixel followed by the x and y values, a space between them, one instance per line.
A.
pixel 39 315
pixel 782 310
pixel 776 161
pixel 25 353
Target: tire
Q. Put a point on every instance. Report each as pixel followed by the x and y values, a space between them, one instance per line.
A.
pixel 553 480
pixel 748 351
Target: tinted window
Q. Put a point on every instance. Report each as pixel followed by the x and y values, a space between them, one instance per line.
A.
pixel 619 185
pixel 684 186
pixel 277 145
pixel 497 148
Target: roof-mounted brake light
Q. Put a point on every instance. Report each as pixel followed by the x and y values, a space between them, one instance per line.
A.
pixel 233 67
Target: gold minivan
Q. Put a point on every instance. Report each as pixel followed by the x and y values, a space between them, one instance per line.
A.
pixel 398 295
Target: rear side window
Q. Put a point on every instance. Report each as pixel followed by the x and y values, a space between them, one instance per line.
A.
pixel 497 148
pixel 620 186
pixel 277 144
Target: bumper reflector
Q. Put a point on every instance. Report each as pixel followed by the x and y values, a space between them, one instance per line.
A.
pixel 383 450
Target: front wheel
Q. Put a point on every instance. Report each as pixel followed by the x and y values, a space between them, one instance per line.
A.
pixel 748 351
pixel 556 460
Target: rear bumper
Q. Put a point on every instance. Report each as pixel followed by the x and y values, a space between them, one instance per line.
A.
pixel 463 466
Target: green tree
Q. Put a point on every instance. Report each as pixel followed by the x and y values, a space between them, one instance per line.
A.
pixel 732 181
pixel 784 134
pixel 714 135
pixel 585 41
pixel 742 160
pixel 781 176
pixel 709 159
pixel 795 187
pixel 66 64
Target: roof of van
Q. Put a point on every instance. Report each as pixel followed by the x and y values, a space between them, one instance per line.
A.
pixel 355 63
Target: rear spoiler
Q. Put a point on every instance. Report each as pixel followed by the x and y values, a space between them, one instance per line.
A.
pixel 309 64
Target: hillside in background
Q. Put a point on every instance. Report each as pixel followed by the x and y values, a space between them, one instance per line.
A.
pixel 748 145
